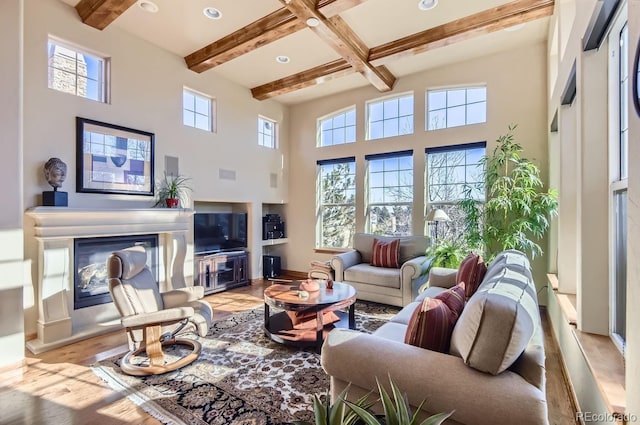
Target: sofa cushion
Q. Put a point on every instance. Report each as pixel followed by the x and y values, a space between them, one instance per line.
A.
pixel 379 276
pixel 433 320
pixel 471 272
pixel 497 323
pixel 410 246
pixel 386 254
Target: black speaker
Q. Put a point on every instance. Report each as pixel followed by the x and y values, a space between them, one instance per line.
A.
pixel 271 266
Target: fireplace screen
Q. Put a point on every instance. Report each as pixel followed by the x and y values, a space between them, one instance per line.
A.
pixel 90 265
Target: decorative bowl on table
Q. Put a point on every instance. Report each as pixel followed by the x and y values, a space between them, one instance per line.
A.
pixel 309 285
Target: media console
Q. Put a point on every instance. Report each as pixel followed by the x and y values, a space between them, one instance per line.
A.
pixel 222 270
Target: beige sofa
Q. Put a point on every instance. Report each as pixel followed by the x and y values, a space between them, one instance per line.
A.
pixel 486 377
pixel 384 285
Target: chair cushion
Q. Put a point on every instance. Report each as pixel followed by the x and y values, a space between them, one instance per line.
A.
pixel 471 272
pixel 378 276
pixel 433 320
pixel 386 254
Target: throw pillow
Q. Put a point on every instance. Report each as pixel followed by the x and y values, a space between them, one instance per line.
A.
pixel 386 254
pixel 471 272
pixel 432 322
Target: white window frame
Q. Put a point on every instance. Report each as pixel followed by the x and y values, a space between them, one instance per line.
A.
pixel 466 104
pixel 322 205
pixel 267 140
pixel 102 78
pixel 410 188
pixel 194 112
pixel 389 119
pixel 328 123
pixel 618 181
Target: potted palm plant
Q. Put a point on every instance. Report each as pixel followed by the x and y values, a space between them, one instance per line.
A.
pixel 173 191
pixel 518 208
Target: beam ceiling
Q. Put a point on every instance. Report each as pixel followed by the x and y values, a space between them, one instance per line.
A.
pixel 272 27
pixel 337 34
pixel 487 21
pixel 332 29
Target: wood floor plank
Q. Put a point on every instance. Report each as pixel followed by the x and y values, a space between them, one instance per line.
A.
pixel 58 386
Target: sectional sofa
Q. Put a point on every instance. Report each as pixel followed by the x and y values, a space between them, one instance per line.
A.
pixel 494 371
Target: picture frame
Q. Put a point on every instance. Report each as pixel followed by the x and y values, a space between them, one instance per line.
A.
pixel 113 159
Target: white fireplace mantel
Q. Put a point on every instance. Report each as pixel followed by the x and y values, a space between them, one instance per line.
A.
pixel 55 229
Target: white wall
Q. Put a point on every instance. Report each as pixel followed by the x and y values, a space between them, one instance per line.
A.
pixel 146 94
pixel 633 266
pixel 591 125
pixel 12 274
pixel 516 92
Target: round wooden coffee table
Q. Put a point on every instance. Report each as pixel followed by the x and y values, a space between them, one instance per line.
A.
pixel 304 321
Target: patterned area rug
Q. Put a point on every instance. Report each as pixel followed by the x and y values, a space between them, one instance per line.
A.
pixel 241 376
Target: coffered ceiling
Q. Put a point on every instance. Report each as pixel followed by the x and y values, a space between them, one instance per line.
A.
pixel 353 43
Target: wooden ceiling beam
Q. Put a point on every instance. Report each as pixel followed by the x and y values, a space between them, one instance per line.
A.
pixel 490 20
pixel 485 22
pixel 337 34
pixel 311 77
pixel 100 13
pixel 270 28
pixel 263 31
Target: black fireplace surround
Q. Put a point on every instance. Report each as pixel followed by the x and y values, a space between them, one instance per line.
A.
pixel 90 264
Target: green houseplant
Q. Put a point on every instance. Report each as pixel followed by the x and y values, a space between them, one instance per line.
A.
pixel 447 253
pixel 172 191
pixel 396 411
pixel 517 211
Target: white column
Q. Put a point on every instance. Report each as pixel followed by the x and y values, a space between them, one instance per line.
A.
pixel 568 201
pixel 593 287
pixel 54 286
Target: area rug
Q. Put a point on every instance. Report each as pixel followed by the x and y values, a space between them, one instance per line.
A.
pixel 241 376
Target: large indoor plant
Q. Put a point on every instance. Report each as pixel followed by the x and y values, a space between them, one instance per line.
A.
pixel 518 208
pixel 173 191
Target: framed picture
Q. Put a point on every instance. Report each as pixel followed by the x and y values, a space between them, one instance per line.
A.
pixel 113 159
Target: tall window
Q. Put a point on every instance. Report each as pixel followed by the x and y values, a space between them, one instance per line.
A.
pixel 450 171
pixel 338 128
pixel 390 193
pixel 77 72
pixel 390 117
pixel 267 132
pixel 619 123
pixel 456 107
pixel 336 198
pixel 198 110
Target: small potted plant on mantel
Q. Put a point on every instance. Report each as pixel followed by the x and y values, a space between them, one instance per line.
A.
pixel 173 191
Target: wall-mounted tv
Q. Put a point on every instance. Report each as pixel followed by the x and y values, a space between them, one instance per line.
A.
pixel 214 232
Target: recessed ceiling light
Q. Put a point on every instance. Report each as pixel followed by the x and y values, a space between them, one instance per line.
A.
pixel 515 27
pixel 313 22
pixel 148 6
pixel 212 13
pixel 282 59
pixel 427 4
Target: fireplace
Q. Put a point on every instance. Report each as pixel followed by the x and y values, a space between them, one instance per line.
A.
pixel 90 265
pixel 55 232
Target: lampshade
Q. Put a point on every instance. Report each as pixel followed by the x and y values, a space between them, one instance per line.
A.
pixel 436 214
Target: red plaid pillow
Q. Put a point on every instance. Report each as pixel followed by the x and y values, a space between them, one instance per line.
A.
pixel 386 254
pixel 432 321
pixel 471 272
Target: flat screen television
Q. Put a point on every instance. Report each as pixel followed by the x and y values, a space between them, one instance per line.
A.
pixel 215 232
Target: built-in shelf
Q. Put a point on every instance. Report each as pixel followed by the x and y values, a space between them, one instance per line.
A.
pixel 270 242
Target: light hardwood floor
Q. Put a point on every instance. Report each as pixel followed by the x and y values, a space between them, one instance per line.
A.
pixel 58 387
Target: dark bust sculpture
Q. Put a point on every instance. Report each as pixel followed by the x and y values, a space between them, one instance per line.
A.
pixel 55 171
